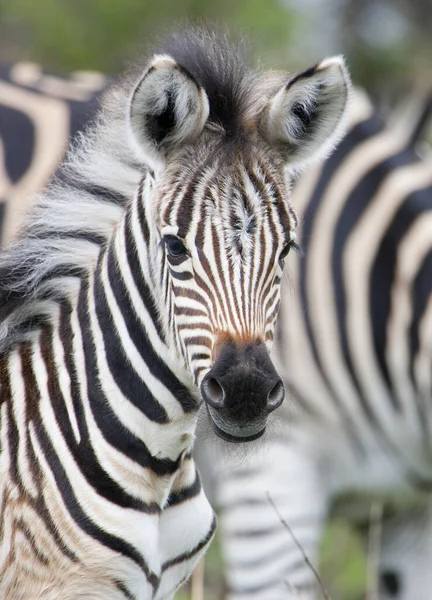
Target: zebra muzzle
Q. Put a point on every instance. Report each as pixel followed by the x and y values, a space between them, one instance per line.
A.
pixel 240 390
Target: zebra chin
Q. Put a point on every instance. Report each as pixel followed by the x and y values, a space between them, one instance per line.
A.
pixel 233 432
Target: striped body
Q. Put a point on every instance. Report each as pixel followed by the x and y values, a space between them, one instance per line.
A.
pixel 355 348
pixel 99 494
pixel 145 280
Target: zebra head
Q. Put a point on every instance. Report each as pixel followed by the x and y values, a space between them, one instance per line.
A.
pixel 223 143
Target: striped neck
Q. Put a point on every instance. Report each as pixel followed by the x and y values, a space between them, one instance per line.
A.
pixel 131 395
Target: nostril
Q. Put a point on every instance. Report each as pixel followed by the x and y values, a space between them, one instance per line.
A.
pixel 275 396
pixel 212 392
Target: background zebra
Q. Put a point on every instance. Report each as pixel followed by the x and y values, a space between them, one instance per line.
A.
pixel 354 342
pixel 147 274
pixel 39 114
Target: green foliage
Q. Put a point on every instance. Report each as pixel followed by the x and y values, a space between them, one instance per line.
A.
pixel 291 34
pixel 103 34
pixel 343 562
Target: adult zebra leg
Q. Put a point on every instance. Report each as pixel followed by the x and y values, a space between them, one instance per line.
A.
pixel 406 556
pixel 264 557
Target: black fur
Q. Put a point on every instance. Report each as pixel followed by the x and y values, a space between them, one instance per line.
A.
pixel 160 126
pixel 219 68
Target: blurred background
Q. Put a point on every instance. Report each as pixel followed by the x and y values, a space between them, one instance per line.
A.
pixel 388 46
pixel 387 43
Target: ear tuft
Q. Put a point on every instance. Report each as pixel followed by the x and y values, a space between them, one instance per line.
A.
pixel 305 119
pixel 168 108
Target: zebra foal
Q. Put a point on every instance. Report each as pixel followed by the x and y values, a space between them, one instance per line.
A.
pixel 146 279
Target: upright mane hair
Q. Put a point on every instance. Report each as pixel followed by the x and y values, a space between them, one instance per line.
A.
pixel 221 70
pixel 78 212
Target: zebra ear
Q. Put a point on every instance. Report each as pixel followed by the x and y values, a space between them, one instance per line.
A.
pixel 168 108
pixel 305 118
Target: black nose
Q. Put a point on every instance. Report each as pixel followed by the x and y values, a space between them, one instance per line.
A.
pixel 243 384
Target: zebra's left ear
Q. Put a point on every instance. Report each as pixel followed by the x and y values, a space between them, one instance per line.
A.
pixel 168 108
pixel 305 119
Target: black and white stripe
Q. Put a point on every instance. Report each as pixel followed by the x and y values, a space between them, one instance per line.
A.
pixel 354 343
pixel 147 274
pixel 39 114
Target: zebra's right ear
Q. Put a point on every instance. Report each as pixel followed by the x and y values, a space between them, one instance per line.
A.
pixel 168 108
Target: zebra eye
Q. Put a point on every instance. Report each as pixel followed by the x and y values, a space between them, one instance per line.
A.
pixel 174 246
pixel 290 246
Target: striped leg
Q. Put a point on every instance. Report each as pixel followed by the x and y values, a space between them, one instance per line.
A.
pixel 262 558
pixel 406 557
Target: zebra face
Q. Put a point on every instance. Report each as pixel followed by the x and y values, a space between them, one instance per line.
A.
pixel 223 220
pixel 226 230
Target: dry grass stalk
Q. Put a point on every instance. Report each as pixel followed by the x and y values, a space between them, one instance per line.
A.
pixel 324 592
pixel 197 582
pixel 374 549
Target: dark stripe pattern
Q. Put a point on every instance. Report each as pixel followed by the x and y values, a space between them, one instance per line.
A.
pixel 354 339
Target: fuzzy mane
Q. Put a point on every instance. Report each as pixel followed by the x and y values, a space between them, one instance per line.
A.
pixel 63 234
pixel 221 69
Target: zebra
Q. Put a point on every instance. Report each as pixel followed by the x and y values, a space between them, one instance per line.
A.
pixel 145 281
pixel 354 349
pixel 39 113
pixel 16 77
